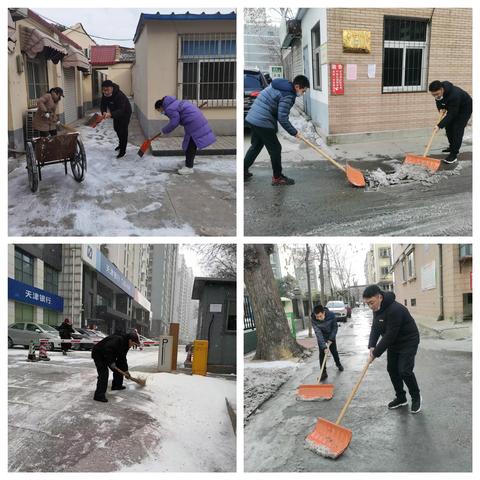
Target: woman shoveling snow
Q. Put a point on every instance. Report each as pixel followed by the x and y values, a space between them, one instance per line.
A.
pixel 198 134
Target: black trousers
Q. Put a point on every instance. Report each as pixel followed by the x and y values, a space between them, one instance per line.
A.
pixel 66 346
pixel 190 153
pixel 400 368
pixel 49 133
pixel 264 137
pixel 102 376
pixel 455 131
pixel 334 353
pixel 120 125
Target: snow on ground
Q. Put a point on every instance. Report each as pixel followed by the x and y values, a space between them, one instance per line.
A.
pixel 262 380
pixel 177 422
pixel 125 196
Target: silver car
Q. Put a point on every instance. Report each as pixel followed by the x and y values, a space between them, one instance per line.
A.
pixel 338 308
pixel 23 333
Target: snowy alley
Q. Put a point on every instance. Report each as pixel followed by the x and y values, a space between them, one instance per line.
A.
pixel 129 196
pixel 177 422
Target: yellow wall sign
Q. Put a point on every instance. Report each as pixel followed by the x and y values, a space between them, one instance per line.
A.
pixel 357 41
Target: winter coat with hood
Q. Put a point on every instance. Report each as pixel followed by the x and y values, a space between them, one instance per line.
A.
pixel 118 104
pixel 189 116
pixel 65 330
pixel 45 104
pixel 325 329
pixel 273 105
pixel 112 349
pixel 395 325
pixel 456 101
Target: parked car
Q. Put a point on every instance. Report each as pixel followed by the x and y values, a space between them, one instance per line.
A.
pixel 253 83
pixel 76 335
pixel 145 339
pixel 92 337
pixel 22 333
pixel 338 308
pixel 349 310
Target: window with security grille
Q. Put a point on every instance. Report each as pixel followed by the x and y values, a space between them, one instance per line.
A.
pixel 23 267
pixel 37 79
pixel 207 68
pixel 231 316
pixel 405 54
pixel 316 58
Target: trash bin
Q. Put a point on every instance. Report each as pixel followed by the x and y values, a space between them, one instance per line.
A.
pixel 200 357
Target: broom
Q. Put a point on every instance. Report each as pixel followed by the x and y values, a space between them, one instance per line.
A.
pixel 146 144
pixel 142 381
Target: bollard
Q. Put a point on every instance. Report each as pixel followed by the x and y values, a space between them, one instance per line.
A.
pixel 31 357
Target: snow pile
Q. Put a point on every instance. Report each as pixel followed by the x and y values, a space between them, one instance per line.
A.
pixel 262 380
pixel 408 173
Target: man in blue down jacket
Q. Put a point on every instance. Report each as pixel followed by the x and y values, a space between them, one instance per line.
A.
pixel 325 326
pixel 271 107
pixel 400 338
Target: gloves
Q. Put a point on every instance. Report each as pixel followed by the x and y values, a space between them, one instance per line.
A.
pixel 47 115
pixel 127 375
pixel 113 366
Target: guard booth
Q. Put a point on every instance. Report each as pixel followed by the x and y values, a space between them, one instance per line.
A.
pixel 217 321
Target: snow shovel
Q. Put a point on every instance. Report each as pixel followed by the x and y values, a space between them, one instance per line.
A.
pixel 94 120
pixel 432 164
pixel 354 176
pixel 146 144
pixel 331 439
pixel 317 391
pixel 141 381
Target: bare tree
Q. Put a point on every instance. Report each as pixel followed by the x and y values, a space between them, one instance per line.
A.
pixel 219 260
pixel 274 339
pixel 321 250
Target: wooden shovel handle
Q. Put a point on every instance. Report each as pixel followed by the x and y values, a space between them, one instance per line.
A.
pixel 323 154
pixel 429 144
pixel 350 398
pixel 122 372
pixel 323 366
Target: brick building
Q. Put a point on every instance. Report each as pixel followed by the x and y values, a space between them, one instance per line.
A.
pixel 388 58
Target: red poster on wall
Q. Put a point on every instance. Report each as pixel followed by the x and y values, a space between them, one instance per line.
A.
pixel 336 79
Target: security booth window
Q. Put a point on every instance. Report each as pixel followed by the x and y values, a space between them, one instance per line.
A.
pixel 405 54
pixel 23 267
pixel 207 68
pixel 50 279
pixel 316 57
pixel 231 316
pixel 37 78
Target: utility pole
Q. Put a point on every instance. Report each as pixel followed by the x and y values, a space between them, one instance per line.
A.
pixel 309 287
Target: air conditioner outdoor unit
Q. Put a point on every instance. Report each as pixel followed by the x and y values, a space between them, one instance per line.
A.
pixel 30 132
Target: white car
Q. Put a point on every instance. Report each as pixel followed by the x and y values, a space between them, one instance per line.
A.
pixel 23 333
pixel 338 308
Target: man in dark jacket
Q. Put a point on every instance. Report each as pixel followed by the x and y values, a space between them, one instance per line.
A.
pixel 400 338
pixel 271 107
pixel 115 104
pixel 65 330
pixel 325 326
pixel 457 104
pixel 111 352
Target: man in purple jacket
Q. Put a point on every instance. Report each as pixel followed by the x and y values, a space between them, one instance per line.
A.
pixel 198 134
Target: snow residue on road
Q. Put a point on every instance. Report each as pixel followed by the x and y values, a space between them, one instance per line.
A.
pixel 408 173
pixel 196 432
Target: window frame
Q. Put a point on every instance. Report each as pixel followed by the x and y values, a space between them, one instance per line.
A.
pixel 40 87
pixel 316 58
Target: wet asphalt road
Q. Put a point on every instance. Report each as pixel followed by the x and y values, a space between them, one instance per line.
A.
pixel 322 202
pixel 437 439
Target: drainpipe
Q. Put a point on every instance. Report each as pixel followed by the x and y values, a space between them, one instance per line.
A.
pixel 73 279
pixel 440 286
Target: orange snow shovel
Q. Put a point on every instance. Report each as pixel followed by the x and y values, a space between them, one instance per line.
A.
pixel 94 120
pixel 141 381
pixel 317 391
pixel 354 176
pixel 432 164
pixel 146 144
pixel 331 439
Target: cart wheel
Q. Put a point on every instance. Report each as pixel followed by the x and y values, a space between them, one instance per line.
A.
pixel 79 162
pixel 32 168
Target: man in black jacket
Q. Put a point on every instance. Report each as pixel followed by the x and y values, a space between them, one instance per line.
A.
pixel 115 104
pixel 400 337
pixel 325 326
pixel 111 352
pixel 65 330
pixel 457 104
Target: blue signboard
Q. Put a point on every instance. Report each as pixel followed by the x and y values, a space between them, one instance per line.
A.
pixel 109 270
pixel 22 292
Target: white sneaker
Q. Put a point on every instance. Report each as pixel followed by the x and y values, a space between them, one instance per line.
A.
pixel 185 171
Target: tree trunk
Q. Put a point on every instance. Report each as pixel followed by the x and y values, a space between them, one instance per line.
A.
pixel 309 288
pixel 274 340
